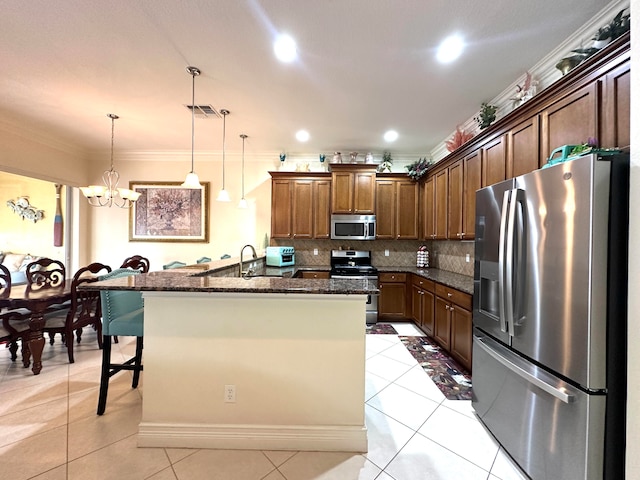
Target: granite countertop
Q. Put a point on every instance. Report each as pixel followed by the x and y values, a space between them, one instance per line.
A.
pixel 463 283
pixel 183 280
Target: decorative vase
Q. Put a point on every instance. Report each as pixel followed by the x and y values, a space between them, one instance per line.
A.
pixel 353 156
pixel 337 157
pixel 368 158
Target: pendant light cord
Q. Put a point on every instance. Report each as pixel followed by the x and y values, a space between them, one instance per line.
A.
pixel 243 136
pixel 193 116
pixel 113 117
pixel 224 137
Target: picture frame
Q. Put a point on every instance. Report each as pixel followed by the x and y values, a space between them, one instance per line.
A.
pixel 168 212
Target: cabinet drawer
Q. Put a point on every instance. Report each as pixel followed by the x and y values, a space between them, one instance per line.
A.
pixel 423 283
pixel 393 277
pixel 454 296
pixel 314 274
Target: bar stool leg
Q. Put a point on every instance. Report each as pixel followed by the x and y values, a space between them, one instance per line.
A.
pixel 104 376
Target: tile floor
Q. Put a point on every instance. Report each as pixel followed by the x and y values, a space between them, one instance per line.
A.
pixel 49 429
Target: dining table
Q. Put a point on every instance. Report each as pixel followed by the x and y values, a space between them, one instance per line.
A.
pixel 37 300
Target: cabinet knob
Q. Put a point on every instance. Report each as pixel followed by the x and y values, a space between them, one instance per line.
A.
pixel 393 277
pixel 446 307
pixel 449 295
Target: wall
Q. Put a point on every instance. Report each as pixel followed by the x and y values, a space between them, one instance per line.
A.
pixel 24 236
pixel 633 319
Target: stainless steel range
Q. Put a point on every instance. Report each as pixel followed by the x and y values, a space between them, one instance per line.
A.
pixel 356 265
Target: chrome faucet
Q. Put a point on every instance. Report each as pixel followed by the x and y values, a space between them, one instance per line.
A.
pixel 255 255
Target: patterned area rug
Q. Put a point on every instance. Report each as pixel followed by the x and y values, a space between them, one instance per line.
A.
pixel 452 380
pixel 381 328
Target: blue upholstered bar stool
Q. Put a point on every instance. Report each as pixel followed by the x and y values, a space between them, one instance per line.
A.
pixel 174 264
pixel 122 315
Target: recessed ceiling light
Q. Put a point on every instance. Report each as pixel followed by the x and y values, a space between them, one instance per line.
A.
pixel 450 49
pixel 285 48
pixel 390 136
pixel 302 135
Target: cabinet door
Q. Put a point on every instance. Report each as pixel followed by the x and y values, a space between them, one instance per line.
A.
pixel 364 198
pixel 406 210
pixel 454 223
pixel 302 218
pixel 428 209
pixel 494 161
pixel 428 313
pixel 322 209
pixel 441 195
pixel 523 153
pixel 416 304
pixel 461 335
pixel 616 108
pixel 393 301
pixel 570 120
pixel 385 208
pixel 442 330
pixel 342 192
pixel 472 173
pixel 281 208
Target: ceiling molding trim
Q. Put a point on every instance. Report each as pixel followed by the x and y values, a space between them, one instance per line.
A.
pixel 39 136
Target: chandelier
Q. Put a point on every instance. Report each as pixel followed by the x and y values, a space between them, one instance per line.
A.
pixel 109 194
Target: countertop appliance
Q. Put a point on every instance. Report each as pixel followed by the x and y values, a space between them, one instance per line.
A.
pixel 356 265
pixel 281 256
pixel 549 315
pixel 353 227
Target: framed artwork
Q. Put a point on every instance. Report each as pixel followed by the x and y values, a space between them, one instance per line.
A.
pixel 167 212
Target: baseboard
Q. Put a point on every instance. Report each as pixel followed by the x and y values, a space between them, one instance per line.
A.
pixel 254 437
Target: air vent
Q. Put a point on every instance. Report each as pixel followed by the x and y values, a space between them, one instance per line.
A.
pixel 204 111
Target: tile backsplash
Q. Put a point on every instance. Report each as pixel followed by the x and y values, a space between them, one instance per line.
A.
pixel 449 255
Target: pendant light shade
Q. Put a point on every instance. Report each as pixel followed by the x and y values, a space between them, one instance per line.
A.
pixel 243 202
pixel 223 195
pixel 192 180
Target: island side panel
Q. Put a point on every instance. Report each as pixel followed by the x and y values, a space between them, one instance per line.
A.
pixel 297 362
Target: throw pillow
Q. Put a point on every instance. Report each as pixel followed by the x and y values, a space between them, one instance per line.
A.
pixel 13 261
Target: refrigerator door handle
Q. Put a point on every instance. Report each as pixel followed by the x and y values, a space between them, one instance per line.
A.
pixel 516 199
pixel 504 213
pixel 559 394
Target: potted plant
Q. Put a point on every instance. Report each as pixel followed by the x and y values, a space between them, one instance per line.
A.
pixel 386 163
pixel 486 116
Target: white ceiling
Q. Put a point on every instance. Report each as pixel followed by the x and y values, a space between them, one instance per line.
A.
pixel 364 66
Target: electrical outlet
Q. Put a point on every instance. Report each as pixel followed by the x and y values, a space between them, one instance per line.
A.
pixel 468 258
pixel 315 251
pixel 230 394
pixel 386 253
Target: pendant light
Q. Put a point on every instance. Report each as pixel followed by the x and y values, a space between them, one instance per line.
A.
pixel 243 202
pixel 109 194
pixel 192 180
pixel 223 195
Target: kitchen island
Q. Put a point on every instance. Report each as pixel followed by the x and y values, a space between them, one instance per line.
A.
pixel 260 363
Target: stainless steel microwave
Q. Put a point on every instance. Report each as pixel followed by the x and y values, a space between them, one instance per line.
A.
pixel 353 227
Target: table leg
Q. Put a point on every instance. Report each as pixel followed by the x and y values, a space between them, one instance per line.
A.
pixel 36 340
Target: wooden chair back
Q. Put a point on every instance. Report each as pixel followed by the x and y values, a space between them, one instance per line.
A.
pixel 136 262
pixel 45 273
pixel 5 282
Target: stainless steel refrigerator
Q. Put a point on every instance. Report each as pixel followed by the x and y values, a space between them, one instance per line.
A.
pixel 549 315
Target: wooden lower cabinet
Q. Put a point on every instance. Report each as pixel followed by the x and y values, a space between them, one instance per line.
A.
pixel 422 303
pixel 392 303
pixel 313 274
pixel 453 323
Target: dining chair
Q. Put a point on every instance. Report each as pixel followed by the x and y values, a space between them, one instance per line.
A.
pixel 14 324
pixel 174 264
pixel 137 262
pixel 123 315
pixel 84 309
pixel 45 273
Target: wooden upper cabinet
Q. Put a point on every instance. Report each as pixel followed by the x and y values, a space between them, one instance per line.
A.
pixel 571 120
pixel 385 209
pixel 353 188
pixel 472 175
pixel 523 153
pixel 494 161
pixel 322 209
pixel 281 200
pixel 454 224
pixel 615 129
pixel 300 206
pixel 441 200
pixel 302 220
pixel 397 208
pixel 428 206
